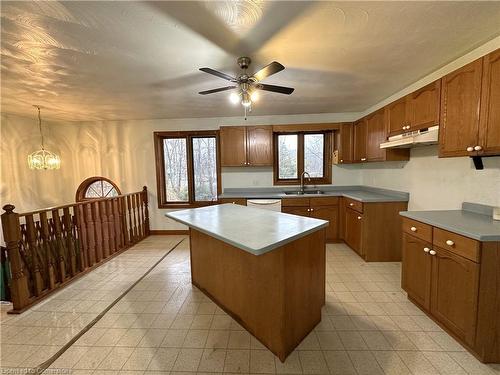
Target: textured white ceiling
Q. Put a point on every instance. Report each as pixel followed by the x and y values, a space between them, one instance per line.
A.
pixel 83 60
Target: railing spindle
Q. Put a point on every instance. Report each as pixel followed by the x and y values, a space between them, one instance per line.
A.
pixel 33 254
pixel 59 244
pixel 68 235
pixel 97 232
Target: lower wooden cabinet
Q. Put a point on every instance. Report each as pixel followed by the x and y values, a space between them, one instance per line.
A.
pixel 416 274
pixel 454 289
pixel 330 214
pixel 324 208
pixel 240 201
pixel 461 293
pixel 353 230
pixel 372 229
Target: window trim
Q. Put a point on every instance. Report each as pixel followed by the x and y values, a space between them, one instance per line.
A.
pixel 327 158
pixel 85 184
pixel 160 167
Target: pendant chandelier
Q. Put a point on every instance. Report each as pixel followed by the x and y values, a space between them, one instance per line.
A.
pixel 43 159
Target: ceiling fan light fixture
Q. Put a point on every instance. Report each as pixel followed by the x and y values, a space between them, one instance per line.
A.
pixel 234 98
pixel 246 101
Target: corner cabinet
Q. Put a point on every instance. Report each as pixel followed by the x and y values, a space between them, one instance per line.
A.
pixel 344 141
pixel 454 279
pixel 470 109
pixel 243 146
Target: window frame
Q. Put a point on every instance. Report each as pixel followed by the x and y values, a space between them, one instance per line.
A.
pixel 327 157
pixel 160 167
pixel 85 185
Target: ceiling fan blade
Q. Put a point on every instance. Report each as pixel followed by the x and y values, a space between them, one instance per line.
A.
pixel 278 89
pixel 216 90
pixel 268 70
pixel 218 74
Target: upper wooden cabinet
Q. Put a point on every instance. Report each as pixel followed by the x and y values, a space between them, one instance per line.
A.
pixel 418 110
pixel 489 122
pixel 344 143
pixel 246 146
pixel 460 100
pixel 395 116
pixel 359 140
pixel 423 106
pixel 259 145
pixel 375 132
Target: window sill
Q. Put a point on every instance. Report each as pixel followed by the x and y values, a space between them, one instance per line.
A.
pixel 185 205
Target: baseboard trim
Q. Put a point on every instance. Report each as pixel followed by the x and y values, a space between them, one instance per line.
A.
pixel 156 232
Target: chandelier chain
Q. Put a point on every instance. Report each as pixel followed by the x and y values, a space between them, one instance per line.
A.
pixel 40 124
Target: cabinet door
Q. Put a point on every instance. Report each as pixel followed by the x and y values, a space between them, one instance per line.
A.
pixel 375 128
pixel 423 106
pixel 260 145
pixel 454 293
pixel 489 129
pixel 233 146
pixel 460 98
pixel 300 211
pixel 416 270
pixel 354 230
pixel 346 146
pixel 330 214
pixel 360 140
pixel 395 116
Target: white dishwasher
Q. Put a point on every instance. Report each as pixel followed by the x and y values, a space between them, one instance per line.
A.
pixel 265 204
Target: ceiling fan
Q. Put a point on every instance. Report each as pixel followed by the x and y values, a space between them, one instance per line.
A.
pixel 247 86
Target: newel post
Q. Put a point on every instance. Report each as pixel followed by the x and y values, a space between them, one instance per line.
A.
pixel 146 209
pixel 12 235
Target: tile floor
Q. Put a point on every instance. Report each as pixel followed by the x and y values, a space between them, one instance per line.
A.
pixel 166 326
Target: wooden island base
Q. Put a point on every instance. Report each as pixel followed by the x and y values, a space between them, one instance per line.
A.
pixel 276 296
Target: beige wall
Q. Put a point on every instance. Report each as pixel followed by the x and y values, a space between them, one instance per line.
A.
pixel 120 150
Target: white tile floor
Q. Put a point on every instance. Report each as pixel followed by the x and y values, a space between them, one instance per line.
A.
pixel 164 325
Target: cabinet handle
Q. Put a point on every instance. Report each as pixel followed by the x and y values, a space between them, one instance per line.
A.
pixel 450 242
pixel 363 159
pixel 234 202
pixel 426 249
pixel 341 160
pixel 432 252
pixel 413 229
pixel 351 204
pixel 478 148
pixel 470 148
pixel 312 209
pixel 359 217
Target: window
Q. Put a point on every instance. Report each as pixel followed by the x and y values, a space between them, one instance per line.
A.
pixel 296 153
pixel 95 188
pixel 187 168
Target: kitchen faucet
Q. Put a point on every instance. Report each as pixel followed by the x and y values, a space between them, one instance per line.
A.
pixel 302 181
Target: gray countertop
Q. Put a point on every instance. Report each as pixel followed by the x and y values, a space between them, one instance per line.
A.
pixel 359 193
pixel 254 230
pixel 468 223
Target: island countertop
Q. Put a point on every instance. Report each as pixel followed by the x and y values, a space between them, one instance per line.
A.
pixel 253 230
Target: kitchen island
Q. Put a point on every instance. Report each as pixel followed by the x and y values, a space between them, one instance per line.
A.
pixel 266 269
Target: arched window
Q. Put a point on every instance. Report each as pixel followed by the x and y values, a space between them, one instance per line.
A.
pixel 95 188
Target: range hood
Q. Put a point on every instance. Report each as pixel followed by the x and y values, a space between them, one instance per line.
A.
pixel 412 139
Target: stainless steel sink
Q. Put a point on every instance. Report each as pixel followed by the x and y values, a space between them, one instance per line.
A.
pixel 306 192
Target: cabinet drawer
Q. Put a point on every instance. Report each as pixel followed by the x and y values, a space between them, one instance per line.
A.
pixel 324 201
pixel 455 243
pixel 417 229
pixel 240 201
pixel 295 202
pixel 355 205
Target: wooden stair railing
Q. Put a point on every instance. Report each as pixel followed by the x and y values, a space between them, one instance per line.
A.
pixel 48 248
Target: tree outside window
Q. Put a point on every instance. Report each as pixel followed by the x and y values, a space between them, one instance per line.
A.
pixel 188 171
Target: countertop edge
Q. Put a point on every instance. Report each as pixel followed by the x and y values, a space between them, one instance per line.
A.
pixel 256 252
pixel 481 238
pixel 383 198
